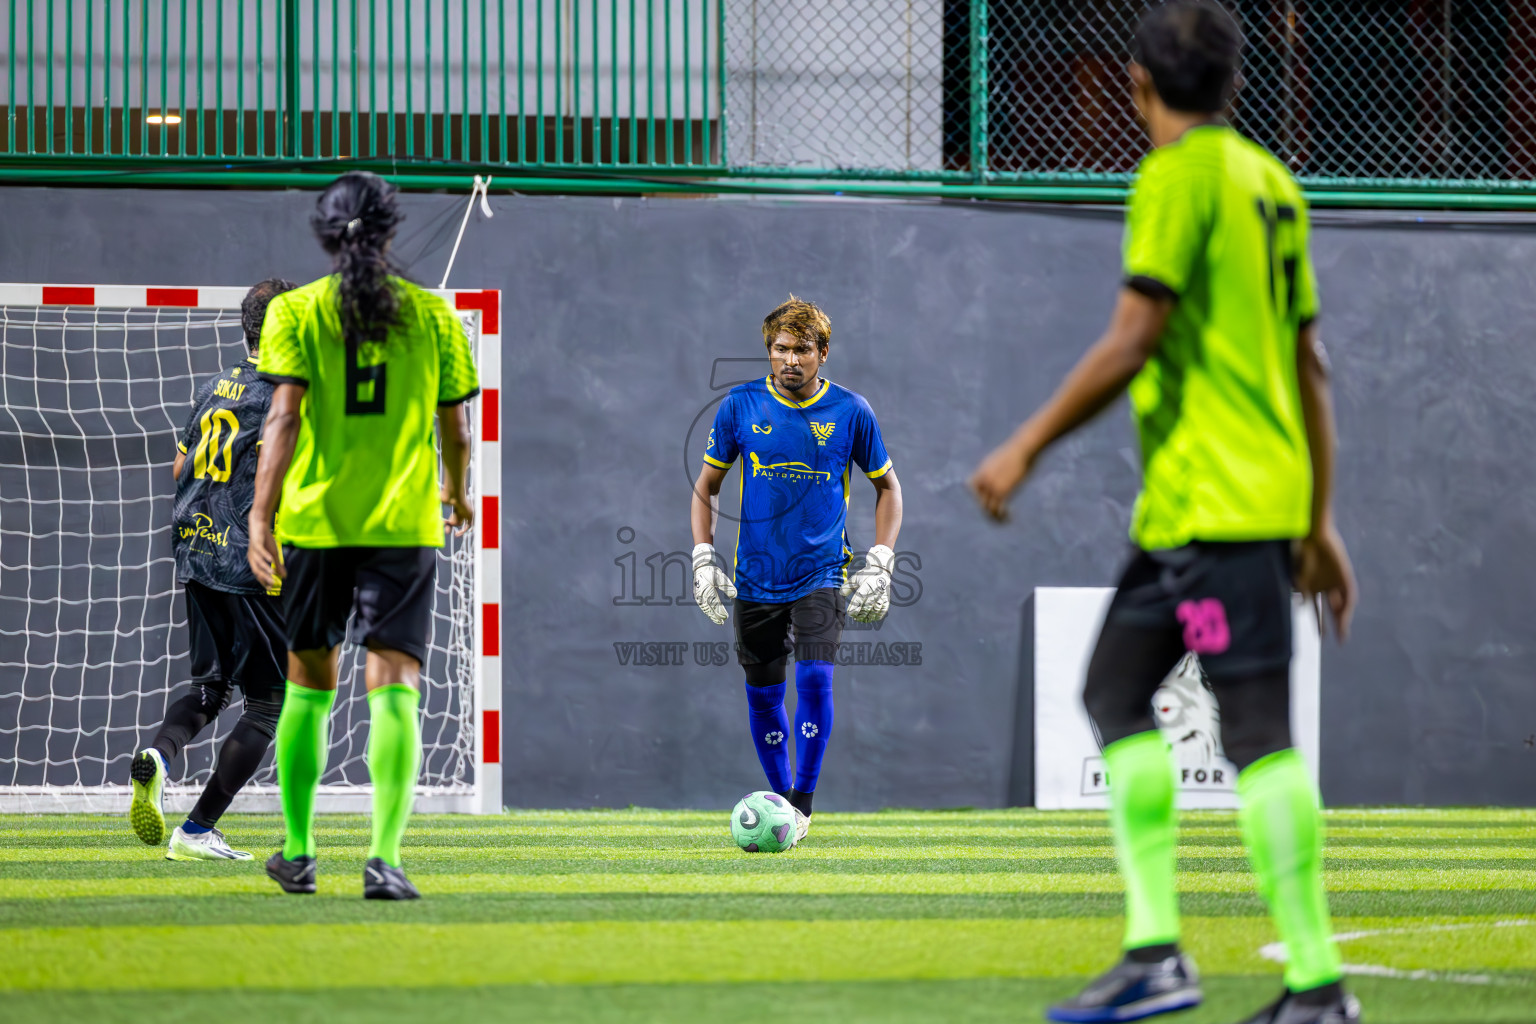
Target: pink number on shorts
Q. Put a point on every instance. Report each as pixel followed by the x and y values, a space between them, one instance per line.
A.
pixel 1205 626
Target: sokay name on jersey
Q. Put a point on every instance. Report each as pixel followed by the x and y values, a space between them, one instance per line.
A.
pixel 230 389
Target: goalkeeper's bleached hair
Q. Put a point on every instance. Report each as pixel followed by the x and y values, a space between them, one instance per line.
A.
pixel 253 308
pixel 799 319
pixel 355 219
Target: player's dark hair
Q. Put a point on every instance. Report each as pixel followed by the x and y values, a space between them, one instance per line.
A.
pixel 355 219
pixel 1192 49
pixel 253 308
pixel 799 319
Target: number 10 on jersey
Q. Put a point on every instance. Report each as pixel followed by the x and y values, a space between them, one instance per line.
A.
pixel 205 461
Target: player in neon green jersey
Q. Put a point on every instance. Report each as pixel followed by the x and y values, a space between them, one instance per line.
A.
pixel 1214 338
pixel 364 362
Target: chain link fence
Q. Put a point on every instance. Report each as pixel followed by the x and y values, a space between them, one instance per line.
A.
pixel 1375 92
pixel 1368 90
pixel 845 85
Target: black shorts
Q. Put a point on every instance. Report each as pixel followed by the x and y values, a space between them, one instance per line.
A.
pixel 1230 603
pixel 236 640
pixel 808 627
pixel 386 592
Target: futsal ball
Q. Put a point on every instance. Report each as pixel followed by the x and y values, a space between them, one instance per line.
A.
pixel 763 822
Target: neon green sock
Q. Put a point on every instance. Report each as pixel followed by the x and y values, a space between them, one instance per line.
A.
pixel 394 757
pixel 1283 828
pixel 1142 815
pixel 303 741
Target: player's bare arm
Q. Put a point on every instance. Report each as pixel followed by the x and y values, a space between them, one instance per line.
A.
pixel 181 460
pixel 704 510
pixel 1097 380
pixel 709 579
pixel 279 435
pixel 887 509
pixel 1322 564
pixel 453 428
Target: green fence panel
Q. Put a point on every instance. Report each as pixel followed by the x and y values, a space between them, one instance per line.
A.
pixel 416 84
pixel 1360 99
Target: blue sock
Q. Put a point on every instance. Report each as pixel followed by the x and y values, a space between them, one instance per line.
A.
pixel 192 828
pixel 770 726
pixel 813 720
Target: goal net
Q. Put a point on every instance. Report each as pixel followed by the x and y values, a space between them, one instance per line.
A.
pixel 95 385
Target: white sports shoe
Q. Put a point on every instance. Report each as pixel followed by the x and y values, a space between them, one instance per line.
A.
pixel 208 845
pixel 802 826
pixel 147 811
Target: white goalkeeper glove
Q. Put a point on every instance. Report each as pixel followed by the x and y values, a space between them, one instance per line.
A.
pixel 709 582
pixel 868 592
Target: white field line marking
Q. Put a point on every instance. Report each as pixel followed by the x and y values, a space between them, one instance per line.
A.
pixel 1275 951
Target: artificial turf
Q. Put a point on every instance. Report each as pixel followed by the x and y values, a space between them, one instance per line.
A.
pixel 643 915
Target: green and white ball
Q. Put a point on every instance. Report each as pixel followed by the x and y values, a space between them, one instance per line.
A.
pixel 763 822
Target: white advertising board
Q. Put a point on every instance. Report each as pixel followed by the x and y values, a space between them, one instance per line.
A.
pixel 1069 769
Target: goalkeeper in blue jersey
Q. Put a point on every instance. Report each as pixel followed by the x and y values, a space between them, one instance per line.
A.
pixel 795 433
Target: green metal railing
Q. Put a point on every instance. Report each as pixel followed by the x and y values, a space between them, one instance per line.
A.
pixel 1371 103
pixel 421 84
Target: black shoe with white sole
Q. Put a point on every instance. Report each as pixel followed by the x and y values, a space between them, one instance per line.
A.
pixel 1132 990
pixel 295 876
pixel 1327 1005
pixel 382 882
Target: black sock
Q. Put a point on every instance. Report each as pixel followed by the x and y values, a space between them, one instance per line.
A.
pixel 184 719
pixel 1152 954
pixel 239 758
pixel 800 801
pixel 1323 995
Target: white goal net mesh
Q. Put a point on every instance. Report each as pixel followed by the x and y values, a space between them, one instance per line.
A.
pixel 93 640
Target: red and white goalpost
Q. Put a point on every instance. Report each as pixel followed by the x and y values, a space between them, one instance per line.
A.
pixel 95 385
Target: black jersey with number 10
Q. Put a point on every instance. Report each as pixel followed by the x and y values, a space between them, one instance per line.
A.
pixel 218 480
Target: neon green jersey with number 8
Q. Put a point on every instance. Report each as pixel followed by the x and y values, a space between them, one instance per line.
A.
pixel 1219 225
pixel 365 467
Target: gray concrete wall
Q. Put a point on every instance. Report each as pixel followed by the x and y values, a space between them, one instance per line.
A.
pixel 953 320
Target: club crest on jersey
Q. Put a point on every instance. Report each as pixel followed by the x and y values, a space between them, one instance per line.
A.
pixel 787 470
pixel 766 428
pixel 823 431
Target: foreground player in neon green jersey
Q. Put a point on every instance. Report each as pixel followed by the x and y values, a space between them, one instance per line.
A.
pixel 1214 338
pixel 364 361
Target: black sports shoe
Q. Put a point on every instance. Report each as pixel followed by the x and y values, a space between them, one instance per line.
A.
pixel 382 882
pixel 295 876
pixel 1131 991
pixel 1343 1008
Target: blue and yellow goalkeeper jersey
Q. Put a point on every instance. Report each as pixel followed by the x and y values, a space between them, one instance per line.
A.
pixel 794 482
